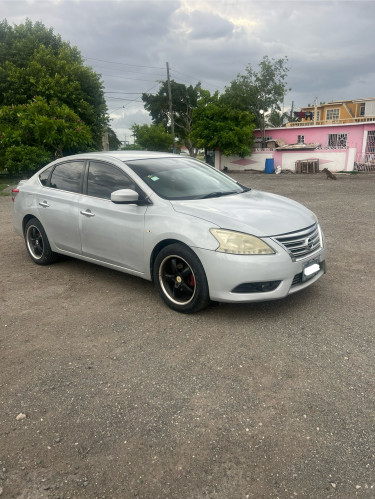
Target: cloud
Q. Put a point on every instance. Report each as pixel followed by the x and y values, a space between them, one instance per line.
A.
pixel 205 26
pixel 329 44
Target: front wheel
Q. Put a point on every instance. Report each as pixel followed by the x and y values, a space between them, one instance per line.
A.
pixel 180 279
pixel 37 243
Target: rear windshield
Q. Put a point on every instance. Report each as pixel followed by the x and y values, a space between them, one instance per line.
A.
pixel 183 178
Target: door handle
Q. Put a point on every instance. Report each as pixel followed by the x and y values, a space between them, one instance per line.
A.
pixel 87 213
pixel 44 204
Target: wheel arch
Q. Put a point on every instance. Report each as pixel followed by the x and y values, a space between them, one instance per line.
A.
pixel 26 218
pixel 159 247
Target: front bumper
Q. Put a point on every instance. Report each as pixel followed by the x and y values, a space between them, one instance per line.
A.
pixel 227 272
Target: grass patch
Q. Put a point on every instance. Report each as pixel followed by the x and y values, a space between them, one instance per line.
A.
pixel 7 181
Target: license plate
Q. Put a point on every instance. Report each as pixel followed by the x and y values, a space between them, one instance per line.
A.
pixel 310 269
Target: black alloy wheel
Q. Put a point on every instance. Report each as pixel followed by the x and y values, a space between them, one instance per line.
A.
pixel 180 279
pixel 37 243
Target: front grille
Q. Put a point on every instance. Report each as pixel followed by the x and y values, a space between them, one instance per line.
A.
pixel 301 243
pixel 297 279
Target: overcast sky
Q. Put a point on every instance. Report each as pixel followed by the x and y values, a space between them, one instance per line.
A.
pixel 330 44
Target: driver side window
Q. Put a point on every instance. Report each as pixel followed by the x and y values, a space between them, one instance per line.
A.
pixel 103 179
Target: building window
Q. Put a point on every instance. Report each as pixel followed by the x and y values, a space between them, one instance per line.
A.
pixel 362 109
pixel 370 146
pixel 337 140
pixel 332 114
pixel 300 139
pixel 317 115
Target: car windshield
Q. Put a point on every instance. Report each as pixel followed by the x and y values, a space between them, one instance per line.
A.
pixel 184 178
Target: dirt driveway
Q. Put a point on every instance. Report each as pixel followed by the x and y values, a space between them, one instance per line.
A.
pixel 125 398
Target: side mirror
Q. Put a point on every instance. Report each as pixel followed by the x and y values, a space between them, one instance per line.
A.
pixel 124 196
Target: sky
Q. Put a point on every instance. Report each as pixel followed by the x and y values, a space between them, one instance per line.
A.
pixel 329 44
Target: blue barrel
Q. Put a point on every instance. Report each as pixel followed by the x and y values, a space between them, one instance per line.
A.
pixel 269 168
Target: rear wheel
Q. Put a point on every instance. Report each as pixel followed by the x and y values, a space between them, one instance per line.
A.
pixel 180 279
pixel 37 243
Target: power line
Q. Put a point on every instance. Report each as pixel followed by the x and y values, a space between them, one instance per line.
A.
pixel 125 78
pixel 128 93
pixel 191 77
pixel 194 78
pixel 132 71
pixel 147 67
pixel 135 100
pixel 123 107
pixel 123 63
pixel 121 98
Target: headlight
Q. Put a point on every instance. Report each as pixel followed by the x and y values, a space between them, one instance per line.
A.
pixel 237 243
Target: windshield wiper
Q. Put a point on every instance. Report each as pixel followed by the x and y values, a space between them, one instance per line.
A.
pixel 245 189
pixel 217 194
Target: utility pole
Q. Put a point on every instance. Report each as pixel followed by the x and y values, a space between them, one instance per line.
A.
pixel 171 108
pixel 291 112
pixel 315 109
pixel 105 141
pixel 261 112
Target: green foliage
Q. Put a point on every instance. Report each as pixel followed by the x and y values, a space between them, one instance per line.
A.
pixel 34 133
pixel 35 61
pixel 227 121
pixel 277 119
pixel 132 147
pixel 259 90
pixel 152 137
pixel 184 99
pixel 21 159
pixel 113 141
pixel 216 125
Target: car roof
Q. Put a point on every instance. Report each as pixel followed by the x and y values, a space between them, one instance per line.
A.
pixel 124 155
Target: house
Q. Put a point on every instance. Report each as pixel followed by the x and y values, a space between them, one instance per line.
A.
pixel 340 112
pixel 337 141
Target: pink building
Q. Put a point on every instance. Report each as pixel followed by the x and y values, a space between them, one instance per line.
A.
pixel 343 147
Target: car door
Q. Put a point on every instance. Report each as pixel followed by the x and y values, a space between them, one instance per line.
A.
pixel 58 202
pixel 111 233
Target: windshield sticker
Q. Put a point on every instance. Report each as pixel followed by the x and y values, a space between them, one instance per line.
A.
pixel 153 177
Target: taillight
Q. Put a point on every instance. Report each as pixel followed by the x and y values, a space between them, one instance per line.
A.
pixel 14 193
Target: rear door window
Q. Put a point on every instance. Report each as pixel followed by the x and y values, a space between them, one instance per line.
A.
pixel 103 179
pixel 68 176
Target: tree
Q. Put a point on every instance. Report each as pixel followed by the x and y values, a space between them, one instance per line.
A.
pixel 113 141
pixel 216 125
pixel 184 99
pixel 35 133
pixel 152 137
pixel 35 61
pixel 277 119
pixel 261 90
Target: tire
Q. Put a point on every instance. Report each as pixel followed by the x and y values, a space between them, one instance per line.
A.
pixel 37 243
pixel 180 279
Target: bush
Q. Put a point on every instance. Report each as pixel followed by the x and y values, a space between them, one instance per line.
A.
pixel 19 159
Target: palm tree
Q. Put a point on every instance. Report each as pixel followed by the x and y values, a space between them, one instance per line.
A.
pixel 277 119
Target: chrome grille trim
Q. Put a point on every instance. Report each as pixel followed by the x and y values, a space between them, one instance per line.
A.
pixel 301 243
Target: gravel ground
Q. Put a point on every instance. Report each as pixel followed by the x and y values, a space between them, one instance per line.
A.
pixel 123 397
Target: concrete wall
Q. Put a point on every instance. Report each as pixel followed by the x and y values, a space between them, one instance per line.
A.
pixel 319 134
pixel 333 159
pixel 254 162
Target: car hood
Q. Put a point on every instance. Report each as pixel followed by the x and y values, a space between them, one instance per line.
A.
pixel 254 212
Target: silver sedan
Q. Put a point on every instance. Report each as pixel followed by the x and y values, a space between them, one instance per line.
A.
pixel 192 230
